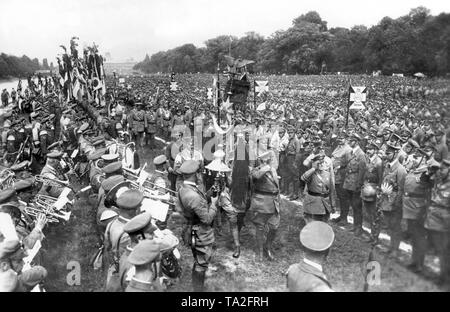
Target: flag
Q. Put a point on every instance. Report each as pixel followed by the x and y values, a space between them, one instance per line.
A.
pixel 209 93
pixel 261 87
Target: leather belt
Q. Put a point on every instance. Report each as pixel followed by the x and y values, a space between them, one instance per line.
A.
pixel 317 194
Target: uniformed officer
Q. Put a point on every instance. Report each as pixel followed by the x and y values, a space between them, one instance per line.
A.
pixel 128 203
pixel 437 220
pixel 338 158
pixel 160 183
pixel 144 257
pixel 355 167
pixel 171 152
pixel 292 149
pixel 392 188
pixel 318 202
pixel 418 184
pixel 307 276
pixel 372 182
pixel 198 232
pixel 150 127
pixel 265 205
pixel 136 122
pixel 105 188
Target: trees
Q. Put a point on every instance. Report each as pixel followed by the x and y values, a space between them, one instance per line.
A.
pixel 13 66
pixel 415 42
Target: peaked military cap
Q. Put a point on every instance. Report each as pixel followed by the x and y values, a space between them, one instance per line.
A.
pixel 146 251
pixel 159 160
pixel 138 223
pixel 189 167
pixel 317 236
pixel 110 157
pixel 113 167
pixel 31 278
pixel 130 199
pixel 392 147
pixel 96 154
pixel 413 143
pixel 112 181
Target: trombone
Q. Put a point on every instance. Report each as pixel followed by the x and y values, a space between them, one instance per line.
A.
pixel 148 193
pixel 132 176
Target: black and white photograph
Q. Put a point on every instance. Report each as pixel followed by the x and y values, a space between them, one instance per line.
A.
pixel 224 151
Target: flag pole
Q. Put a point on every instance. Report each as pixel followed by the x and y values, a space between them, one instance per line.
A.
pixel 217 94
pixel 254 94
pixel 348 104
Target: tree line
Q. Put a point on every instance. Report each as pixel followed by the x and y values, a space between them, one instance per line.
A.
pixel 13 66
pixel 416 42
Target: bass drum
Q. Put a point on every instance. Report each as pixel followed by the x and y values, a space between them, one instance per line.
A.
pixel 131 157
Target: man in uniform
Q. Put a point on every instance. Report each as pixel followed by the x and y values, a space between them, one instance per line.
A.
pixel 318 201
pixel 136 122
pixel 144 257
pixel 307 276
pixel 199 233
pixel 292 149
pixel 171 152
pixel 265 205
pixel 53 170
pixel 437 220
pixel 392 187
pixel 338 158
pixel 128 203
pixel 12 276
pixel 150 127
pixel 372 181
pixel 418 184
pixel 354 173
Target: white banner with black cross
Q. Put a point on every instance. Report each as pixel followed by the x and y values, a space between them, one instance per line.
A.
pixel 261 87
pixel 357 97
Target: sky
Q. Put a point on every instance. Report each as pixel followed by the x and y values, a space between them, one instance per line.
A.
pixel 132 28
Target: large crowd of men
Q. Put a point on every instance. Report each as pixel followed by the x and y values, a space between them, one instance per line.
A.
pixel 389 163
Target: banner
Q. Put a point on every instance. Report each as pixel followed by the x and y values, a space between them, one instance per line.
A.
pixel 261 86
pixel 357 96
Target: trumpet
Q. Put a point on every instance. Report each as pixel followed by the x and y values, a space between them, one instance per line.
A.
pixel 132 176
pixel 52 182
pixel 52 217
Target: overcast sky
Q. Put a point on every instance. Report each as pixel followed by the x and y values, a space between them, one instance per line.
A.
pixel 132 28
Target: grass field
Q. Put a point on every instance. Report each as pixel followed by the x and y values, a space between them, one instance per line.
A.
pixel 77 241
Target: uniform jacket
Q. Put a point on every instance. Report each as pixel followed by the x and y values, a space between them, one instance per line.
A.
pixel 321 183
pixel 395 176
pixel 266 195
pixel 150 122
pixel 338 158
pixel 416 195
pixel 302 277
pixel 441 151
pixel 354 170
pixel 136 120
pixel 438 213
pixel 198 213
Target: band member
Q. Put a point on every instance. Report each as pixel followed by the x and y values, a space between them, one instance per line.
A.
pixel 198 232
pixel 53 171
pixel 144 257
pixel 265 205
pixel 307 276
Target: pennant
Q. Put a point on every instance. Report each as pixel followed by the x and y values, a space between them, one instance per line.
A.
pixel 261 107
pixel 261 87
